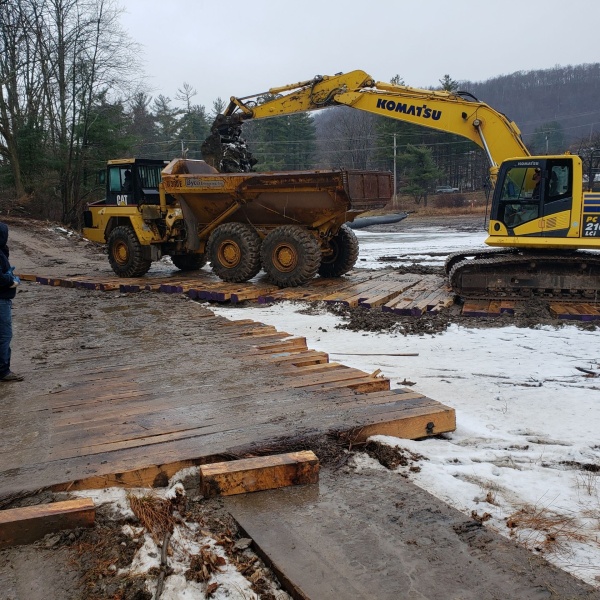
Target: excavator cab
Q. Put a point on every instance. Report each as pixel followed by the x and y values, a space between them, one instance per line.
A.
pixel 533 198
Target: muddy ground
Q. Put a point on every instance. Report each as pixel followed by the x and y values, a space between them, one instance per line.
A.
pixel 84 564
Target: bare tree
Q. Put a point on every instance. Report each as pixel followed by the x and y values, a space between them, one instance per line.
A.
pixel 69 54
pixel 347 138
pixel 20 89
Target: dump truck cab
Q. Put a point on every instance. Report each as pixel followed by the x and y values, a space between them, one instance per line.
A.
pixel 133 181
pixel 130 219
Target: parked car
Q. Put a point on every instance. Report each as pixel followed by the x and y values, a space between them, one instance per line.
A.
pixel 446 189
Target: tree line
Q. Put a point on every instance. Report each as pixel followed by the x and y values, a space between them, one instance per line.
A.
pixel 72 97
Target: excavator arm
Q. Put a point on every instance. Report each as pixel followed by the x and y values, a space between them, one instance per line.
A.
pixel 457 113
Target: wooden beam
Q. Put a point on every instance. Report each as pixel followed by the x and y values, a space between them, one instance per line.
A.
pixel 30 523
pixel 412 425
pixel 152 476
pixel 260 473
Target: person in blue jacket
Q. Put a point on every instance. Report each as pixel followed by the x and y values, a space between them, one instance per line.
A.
pixel 8 288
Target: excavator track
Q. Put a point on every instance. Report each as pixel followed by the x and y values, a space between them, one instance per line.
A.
pixel 510 274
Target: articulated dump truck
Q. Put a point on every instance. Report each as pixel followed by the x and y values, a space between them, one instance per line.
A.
pixel 291 224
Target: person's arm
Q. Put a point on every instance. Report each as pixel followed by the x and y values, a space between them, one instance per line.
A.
pixel 7 279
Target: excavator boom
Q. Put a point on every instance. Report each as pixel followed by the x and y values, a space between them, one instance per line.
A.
pixel 456 113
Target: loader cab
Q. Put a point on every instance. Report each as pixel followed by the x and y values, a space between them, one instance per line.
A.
pixel 533 197
pixel 133 181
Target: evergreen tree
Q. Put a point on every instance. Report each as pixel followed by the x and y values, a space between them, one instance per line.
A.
pixel 218 107
pixel 419 172
pixel 194 126
pixel 142 127
pixel 107 138
pixel 167 121
pixel 448 84
pixel 283 143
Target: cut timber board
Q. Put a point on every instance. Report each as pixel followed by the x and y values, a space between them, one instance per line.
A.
pixel 575 311
pixel 28 524
pixel 260 473
pixel 365 535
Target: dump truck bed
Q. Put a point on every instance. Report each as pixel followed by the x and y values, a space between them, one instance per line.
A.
pixel 314 199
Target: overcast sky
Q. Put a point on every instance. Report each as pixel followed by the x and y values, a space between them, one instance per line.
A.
pixel 235 48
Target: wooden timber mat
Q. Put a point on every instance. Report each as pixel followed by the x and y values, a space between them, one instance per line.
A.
pixel 104 416
pixel 400 293
pixel 569 310
pixel 387 290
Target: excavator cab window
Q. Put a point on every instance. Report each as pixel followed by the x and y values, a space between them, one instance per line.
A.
pixel 519 200
pixel 533 189
pixel 558 191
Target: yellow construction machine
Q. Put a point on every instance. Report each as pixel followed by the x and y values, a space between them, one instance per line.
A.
pixel 291 224
pixel 543 221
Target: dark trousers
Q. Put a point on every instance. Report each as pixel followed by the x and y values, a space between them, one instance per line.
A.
pixel 5 335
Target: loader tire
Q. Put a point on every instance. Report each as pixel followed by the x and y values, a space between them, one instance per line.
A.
pixel 290 256
pixel 189 262
pixel 344 245
pixel 125 253
pixel 234 252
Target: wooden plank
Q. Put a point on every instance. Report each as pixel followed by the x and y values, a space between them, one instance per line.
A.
pixel 30 523
pixel 300 359
pixel 339 375
pixel 494 308
pixel 295 370
pixel 415 424
pixel 376 405
pixel 385 293
pixel 425 303
pixel 475 308
pixel 560 311
pixel 152 476
pixel 252 293
pixel 283 346
pixel 260 473
pixel 27 277
pixel 364 384
pixel 442 299
pixel 587 312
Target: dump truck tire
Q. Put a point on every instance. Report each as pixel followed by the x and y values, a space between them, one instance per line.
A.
pixel 345 254
pixel 189 262
pixel 234 252
pixel 290 256
pixel 125 253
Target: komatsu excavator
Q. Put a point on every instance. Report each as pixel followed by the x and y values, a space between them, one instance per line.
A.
pixel 543 224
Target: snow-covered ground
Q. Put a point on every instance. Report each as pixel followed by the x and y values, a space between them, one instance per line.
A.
pixel 527 417
pixel 425 246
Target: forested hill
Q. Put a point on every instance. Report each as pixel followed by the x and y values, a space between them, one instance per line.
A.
pixel 568 96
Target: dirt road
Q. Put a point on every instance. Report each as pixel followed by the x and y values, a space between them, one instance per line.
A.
pixel 48 324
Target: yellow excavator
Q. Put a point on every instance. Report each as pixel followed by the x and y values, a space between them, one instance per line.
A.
pixel 543 224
